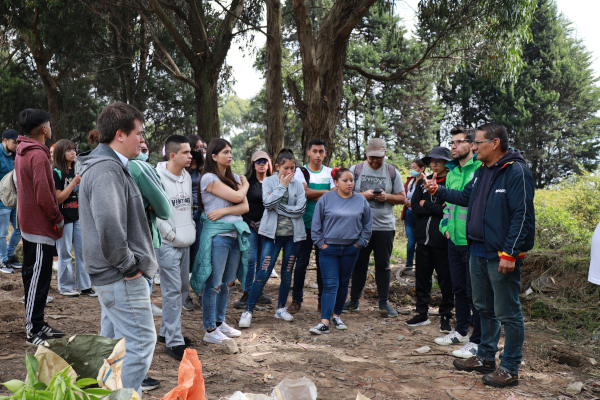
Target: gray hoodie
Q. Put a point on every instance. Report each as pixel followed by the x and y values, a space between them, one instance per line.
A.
pixel 117 239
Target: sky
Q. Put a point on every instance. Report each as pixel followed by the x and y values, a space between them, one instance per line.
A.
pixel 582 13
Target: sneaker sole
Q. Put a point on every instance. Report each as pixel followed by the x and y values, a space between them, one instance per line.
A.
pixel 351 310
pixel 498 385
pixel 316 332
pixel 343 328
pixel 232 335
pixel 449 344
pixel 239 306
pixel 149 388
pixel 74 294
pixel 287 320
pixel 212 341
pixel 419 323
pixel 482 370
pixel 463 354
pixel 446 331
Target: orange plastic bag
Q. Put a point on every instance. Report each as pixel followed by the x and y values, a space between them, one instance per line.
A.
pixel 190 383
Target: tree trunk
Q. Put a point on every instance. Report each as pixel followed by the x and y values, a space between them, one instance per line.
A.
pixel 274 79
pixel 207 105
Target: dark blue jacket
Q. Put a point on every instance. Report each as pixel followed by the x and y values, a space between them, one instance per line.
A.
pixel 509 218
pixel 7 164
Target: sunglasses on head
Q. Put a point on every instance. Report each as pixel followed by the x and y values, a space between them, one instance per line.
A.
pixel 261 161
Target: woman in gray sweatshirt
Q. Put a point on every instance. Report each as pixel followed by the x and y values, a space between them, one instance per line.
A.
pixel 341 226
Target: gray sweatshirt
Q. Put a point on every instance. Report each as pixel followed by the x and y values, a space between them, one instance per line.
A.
pixel 117 239
pixel 342 221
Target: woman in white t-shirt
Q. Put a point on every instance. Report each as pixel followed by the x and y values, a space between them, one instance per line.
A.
pixel 223 198
pixel 594 273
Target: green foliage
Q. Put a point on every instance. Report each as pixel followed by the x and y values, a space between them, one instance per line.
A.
pixel 60 387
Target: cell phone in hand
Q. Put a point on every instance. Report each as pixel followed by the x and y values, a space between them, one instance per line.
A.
pixel 377 191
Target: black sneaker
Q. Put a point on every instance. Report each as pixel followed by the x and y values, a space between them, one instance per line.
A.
pixel 445 326
pixel 176 351
pixel 149 384
pixel 89 292
pixel 188 304
pixel 186 340
pixel 51 332
pixel 319 329
pixel 350 306
pixel 418 320
pixel 37 339
pixel 385 310
pixel 14 262
pixel 264 299
pixel 241 303
pixel 337 322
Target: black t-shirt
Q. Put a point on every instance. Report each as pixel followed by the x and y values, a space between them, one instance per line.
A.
pixel 70 207
pixel 255 202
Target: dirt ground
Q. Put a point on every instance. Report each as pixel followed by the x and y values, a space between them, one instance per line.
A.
pixel 374 356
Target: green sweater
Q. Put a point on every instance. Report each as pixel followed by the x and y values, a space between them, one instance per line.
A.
pixel 153 195
pixel 202 264
pixel 455 217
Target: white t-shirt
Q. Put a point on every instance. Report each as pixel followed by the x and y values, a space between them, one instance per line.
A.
pixel 594 274
pixel 320 180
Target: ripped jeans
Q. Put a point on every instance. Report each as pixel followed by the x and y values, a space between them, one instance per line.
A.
pixel 225 260
pixel 270 252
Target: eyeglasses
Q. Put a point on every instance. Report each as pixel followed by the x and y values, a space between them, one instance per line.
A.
pixel 478 142
pixel 144 150
pixel 261 161
pixel 458 142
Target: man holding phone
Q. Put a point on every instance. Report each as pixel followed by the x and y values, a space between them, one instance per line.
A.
pixel 381 184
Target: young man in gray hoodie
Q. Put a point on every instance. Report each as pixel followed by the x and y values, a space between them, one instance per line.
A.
pixel 120 254
pixel 178 234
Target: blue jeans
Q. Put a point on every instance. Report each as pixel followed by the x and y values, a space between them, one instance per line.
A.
pixel 8 215
pixel 194 248
pixel 126 313
pixel 496 297
pixel 458 261
pixel 337 263
pixel 409 227
pixel 270 252
pixel 254 254
pixel 225 261
pixel 71 240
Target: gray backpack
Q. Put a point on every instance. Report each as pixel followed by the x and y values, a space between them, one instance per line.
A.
pixel 8 190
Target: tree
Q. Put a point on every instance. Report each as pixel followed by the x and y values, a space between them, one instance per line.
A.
pixel 451 31
pixel 550 109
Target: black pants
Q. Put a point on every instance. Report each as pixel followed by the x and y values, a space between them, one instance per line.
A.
pixel 458 258
pixel 37 274
pixel 381 245
pixel 302 260
pixel 428 259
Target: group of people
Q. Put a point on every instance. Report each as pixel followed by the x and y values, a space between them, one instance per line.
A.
pixel 200 224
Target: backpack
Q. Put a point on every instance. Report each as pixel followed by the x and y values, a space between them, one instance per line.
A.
pixel 306 174
pixel 391 171
pixel 8 190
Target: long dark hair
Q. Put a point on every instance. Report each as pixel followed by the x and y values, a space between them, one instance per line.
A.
pixel 59 160
pixel 251 171
pixel 210 166
pixel 193 139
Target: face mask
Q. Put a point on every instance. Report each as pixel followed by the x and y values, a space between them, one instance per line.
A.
pixel 143 156
pixel 197 155
pixel 414 173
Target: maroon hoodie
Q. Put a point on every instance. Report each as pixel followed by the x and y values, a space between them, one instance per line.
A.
pixel 38 210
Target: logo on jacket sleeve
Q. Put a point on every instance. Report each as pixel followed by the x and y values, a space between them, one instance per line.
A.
pixel 500 191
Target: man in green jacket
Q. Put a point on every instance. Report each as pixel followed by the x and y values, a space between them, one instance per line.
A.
pixel 454 225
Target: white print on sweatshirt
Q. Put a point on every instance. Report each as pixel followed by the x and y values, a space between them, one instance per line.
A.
pixel 180 229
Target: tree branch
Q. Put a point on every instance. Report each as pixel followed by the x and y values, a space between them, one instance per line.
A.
pixel 173 31
pixel 258 28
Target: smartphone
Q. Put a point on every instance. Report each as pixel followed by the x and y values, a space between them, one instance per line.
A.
pixel 377 191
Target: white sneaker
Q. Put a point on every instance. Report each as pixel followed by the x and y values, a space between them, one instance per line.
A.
pixel 282 313
pixel 337 322
pixel 452 338
pixel 55 266
pixel 229 331
pixel 70 293
pixel 245 319
pixel 156 279
pixel 156 311
pixel 274 274
pixel 467 351
pixel 215 337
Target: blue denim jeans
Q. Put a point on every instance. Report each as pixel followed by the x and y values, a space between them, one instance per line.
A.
pixel 270 252
pixel 496 297
pixel 71 240
pixel 126 313
pixel 337 263
pixel 225 261
pixel 458 261
pixel 409 227
pixel 8 215
pixel 254 255
pixel 196 245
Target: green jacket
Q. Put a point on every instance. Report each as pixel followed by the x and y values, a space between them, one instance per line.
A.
pixel 202 264
pixel 153 194
pixel 455 217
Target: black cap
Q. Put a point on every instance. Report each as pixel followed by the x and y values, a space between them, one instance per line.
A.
pixel 438 152
pixel 10 134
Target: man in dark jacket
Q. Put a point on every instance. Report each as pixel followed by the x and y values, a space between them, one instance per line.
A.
pixel 432 246
pixel 8 215
pixel 500 229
